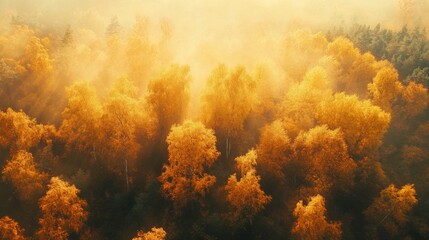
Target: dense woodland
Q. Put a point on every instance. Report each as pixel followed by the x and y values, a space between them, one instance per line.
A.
pixel 334 145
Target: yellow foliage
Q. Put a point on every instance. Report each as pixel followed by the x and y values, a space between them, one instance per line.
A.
pixel 247 162
pixel 37 58
pixel 14 41
pixel 362 123
pixel 246 196
pixel 154 234
pixel 81 118
pixel 191 148
pixel 18 131
pixel 10 70
pixel 265 90
pixel 353 69
pixel 311 223
pixel 274 149
pixel 122 117
pixel 361 74
pixel 229 97
pixel 10 229
pixel 298 107
pixel 324 152
pixel 416 99
pixel 344 52
pixel 385 88
pixel 168 96
pixel 63 211
pixel 22 172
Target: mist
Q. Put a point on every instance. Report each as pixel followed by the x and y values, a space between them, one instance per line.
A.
pixel 256 119
pixel 209 32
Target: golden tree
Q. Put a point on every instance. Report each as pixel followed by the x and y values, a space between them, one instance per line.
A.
pixel 168 96
pixel 298 107
pixel 415 99
pixel 363 70
pixel 122 118
pixel 10 229
pixel 18 131
pixel 353 70
pixel 245 195
pixel 154 234
pixel 311 222
pixel 324 152
pixel 81 118
pixel 63 211
pixel 229 97
pixel 191 148
pixel 385 88
pixel 22 172
pixel 389 211
pixel 274 149
pixel 362 123
pixel 37 57
pixel 343 50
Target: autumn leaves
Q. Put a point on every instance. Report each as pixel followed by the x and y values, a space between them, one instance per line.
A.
pixel 307 152
pixel 191 149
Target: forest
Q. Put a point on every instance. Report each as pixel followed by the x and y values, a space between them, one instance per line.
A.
pixel 117 124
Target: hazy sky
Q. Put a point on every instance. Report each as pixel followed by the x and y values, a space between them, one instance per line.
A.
pixel 213 31
pixel 315 12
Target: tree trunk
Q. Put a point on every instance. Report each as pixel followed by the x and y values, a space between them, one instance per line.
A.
pixel 126 174
pixel 228 146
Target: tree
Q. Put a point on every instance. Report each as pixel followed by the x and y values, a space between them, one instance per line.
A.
pixel 191 148
pixel 22 172
pixel 154 234
pixel 385 88
pixel 344 52
pixel 121 119
pixel 298 107
pixel 10 229
pixel 37 57
pixel 363 70
pixel 18 131
pixel 80 128
pixel 63 211
pixel 229 97
pixel 388 212
pixel 11 74
pixel 415 99
pixel 324 153
pixel 247 162
pixel 274 149
pixel 362 123
pixel 311 222
pixel 168 96
pixel 246 196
